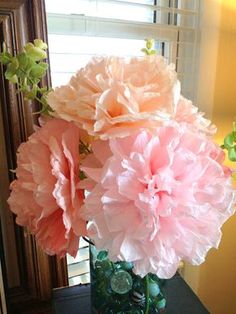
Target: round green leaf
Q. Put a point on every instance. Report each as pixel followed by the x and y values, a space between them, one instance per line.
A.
pixel 152 52
pixel 149 43
pixel 14 79
pixel 25 63
pixel 145 51
pixel 34 52
pixel 12 69
pixel 232 153
pixel 40 44
pixel 5 57
pixel 14 65
pixel 229 140
pixel 38 70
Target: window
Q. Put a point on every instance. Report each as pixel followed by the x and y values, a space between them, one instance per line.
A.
pixel 79 29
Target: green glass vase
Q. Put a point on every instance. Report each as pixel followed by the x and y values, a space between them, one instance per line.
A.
pixel 117 290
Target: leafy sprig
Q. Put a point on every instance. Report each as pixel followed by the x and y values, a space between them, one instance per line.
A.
pixel 230 144
pixel 149 48
pixel 26 69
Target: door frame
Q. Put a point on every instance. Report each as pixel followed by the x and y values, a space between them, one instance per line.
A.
pixel 22 21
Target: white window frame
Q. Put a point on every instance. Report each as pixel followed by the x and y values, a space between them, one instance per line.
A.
pixel 173 36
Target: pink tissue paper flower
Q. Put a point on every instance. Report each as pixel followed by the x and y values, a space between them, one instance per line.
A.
pixel 188 113
pixel 45 196
pixel 115 96
pixel 157 199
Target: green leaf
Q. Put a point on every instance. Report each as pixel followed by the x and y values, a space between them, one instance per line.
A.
pixel 12 69
pixel 9 74
pixel 44 90
pixel 229 140
pixel 44 65
pixel 26 69
pixel 35 53
pixel 38 70
pixel 232 153
pixel 145 50
pixel 152 52
pixel 149 43
pixel 14 65
pixel 31 80
pixel 5 57
pixel 149 50
pixel 25 62
pixel 40 44
pixel 14 79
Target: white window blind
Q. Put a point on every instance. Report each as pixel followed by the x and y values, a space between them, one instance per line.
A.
pixel 79 29
pixel 78 267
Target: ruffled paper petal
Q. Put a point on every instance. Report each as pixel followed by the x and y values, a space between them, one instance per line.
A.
pixel 162 198
pixel 46 196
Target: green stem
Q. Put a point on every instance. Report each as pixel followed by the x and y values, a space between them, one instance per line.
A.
pixel 147 295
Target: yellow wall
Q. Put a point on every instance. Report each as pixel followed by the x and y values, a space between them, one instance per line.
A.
pixel 215 280
pixel 225 83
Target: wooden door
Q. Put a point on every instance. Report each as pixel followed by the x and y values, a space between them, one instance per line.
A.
pixel 30 274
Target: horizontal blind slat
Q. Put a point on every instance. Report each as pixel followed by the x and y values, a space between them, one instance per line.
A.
pixel 64 24
pixel 81 279
pixel 170 9
pixel 96 5
pixel 78 269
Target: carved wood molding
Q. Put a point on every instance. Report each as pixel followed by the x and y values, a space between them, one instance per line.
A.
pixel 22 21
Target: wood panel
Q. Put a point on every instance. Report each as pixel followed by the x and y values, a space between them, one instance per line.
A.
pixel 22 21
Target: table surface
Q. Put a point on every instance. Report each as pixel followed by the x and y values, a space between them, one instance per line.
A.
pixel 180 299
